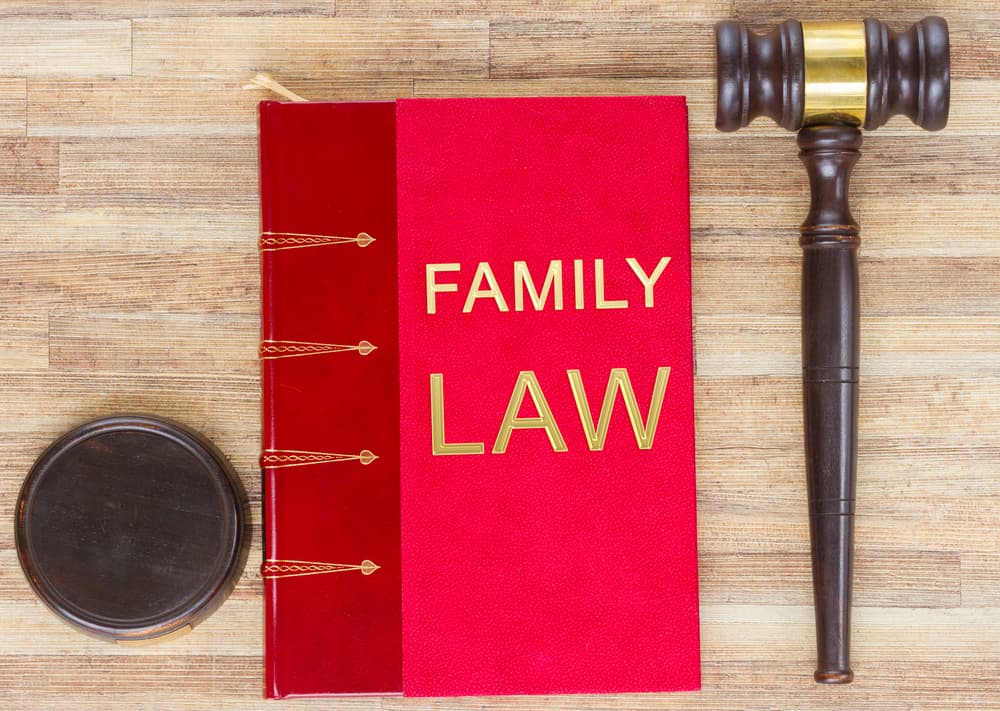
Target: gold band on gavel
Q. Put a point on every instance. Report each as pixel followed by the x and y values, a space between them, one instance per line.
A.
pixel 836 72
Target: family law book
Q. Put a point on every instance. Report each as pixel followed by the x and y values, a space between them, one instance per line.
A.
pixel 477 375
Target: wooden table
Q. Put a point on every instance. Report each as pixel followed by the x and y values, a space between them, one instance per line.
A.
pixel 128 192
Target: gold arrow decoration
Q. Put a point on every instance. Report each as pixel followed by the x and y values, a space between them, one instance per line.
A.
pixel 282 458
pixel 274 569
pixel 272 350
pixel 277 241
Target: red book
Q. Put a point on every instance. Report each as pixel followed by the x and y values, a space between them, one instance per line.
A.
pixel 527 525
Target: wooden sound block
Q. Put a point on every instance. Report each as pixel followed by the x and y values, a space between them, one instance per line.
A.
pixel 132 528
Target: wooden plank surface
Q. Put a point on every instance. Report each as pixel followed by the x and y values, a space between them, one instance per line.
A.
pixel 128 270
pixel 38 47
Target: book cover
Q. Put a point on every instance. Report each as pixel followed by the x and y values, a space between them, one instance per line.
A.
pixel 525 405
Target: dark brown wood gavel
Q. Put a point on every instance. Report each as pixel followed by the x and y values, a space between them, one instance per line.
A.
pixel 826 80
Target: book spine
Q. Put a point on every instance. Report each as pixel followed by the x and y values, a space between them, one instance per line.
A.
pixel 267 407
pixel 330 412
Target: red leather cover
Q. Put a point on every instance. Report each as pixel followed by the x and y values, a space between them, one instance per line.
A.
pixel 530 571
pixel 538 571
pixel 327 173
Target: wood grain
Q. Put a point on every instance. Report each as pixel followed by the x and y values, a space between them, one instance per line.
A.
pixel 127 9
pixel 174 221
pixel 33 47
pixel 128 268
pixel 530 9
pixel 194 342
pixel 157 166
pixel 24 342
pixel 607 48
pixel 145 107
pixel 29 166
pixel 333 47
pixel 13 103
pixel 172 281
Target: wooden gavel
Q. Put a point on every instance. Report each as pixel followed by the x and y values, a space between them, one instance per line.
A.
pixel 826 80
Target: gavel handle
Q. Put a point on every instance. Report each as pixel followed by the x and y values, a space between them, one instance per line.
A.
pixel 830 324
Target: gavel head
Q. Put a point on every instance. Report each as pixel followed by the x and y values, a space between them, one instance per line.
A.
pixel 809 73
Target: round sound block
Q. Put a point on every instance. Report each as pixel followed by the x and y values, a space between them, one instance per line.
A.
pixel 131 528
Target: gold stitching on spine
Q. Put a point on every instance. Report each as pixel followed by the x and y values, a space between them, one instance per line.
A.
pixel 272 350
pixel 274 569
pixel 282 458
pixel 277 241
